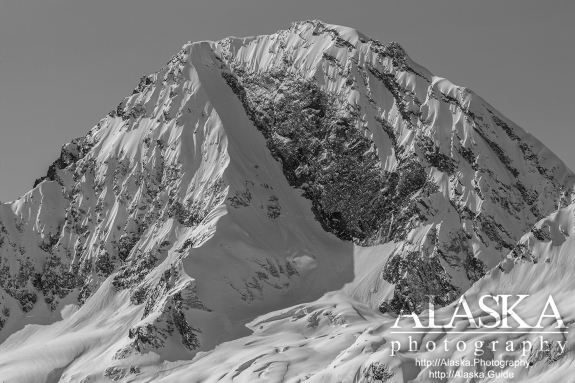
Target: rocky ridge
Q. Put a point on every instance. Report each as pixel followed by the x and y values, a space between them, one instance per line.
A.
pixel 388 152
pixel 246 172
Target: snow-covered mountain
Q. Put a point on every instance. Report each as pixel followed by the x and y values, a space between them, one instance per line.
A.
pixel 256 174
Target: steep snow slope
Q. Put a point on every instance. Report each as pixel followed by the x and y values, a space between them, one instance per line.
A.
pixel 249 175
pixel 454 183
pixel 337 339
pixel 149 199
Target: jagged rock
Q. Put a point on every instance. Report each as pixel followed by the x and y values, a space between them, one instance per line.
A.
pixel 115 373
pixel 191 206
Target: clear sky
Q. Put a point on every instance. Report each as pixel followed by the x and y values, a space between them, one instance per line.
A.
pixel 65 63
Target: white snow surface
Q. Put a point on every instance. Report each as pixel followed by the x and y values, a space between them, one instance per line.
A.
pixel 250 277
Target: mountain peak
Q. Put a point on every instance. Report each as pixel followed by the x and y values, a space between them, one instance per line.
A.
pixel 252 174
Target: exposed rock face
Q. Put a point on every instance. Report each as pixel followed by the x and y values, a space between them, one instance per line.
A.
pixel 388 152
pixel 242 176
pixel 111 205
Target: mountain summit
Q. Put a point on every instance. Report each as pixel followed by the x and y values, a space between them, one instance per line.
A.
pixel 253 174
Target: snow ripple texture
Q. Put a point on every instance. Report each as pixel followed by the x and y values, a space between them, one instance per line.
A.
pixel 233 183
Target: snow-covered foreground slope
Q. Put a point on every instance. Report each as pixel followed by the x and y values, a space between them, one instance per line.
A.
pixel 339 339
pixel 251 175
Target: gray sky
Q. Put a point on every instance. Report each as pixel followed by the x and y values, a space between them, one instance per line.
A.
pixel 65 63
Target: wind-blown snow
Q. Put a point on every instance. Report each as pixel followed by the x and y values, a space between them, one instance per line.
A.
pixel 155 239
